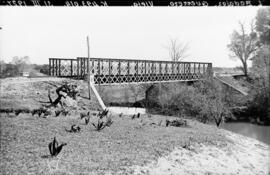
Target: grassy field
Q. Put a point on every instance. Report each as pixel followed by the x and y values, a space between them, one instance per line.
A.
pixel 24 143
pixel 25 138
pixel 113 150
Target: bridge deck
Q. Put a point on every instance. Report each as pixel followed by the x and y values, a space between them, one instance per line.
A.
pixel 110 71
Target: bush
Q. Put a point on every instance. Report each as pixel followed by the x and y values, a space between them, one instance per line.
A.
pixel 203 100
pixel 258 107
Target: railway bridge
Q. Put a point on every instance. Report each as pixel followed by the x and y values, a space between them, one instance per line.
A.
pixel 118 71
pixel 131 74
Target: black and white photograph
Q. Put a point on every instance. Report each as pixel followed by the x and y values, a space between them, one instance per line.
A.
pixel 94 89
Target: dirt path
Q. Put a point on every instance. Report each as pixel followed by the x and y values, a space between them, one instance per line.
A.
pixel 243 156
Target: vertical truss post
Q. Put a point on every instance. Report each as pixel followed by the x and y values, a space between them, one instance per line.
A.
pixel 128 72
pixel 59 67
pixel 119 70
pixel 137 68
pixel 110 70
pixel 172 68
pixel 82 67
pixel 99 67
pixel 78 68
pixel 50 68
pixel 166 68
pixel 178 70
pixel 160 71
pixel 71 68
pixel 145 71
pixel 53 67
pixel 56 67
pixel 184 71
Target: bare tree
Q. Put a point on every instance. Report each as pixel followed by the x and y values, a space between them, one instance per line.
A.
pixel 244 45
pixel 177 50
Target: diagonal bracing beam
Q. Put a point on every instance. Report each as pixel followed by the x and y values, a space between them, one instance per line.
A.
pixel 100 101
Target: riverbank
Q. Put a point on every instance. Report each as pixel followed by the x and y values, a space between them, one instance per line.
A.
pixel 128 146
pixel 241 156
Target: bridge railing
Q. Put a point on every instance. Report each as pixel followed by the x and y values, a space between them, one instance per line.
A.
pixel 107 71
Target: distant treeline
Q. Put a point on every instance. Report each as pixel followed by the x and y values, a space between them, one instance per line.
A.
pixel 18 65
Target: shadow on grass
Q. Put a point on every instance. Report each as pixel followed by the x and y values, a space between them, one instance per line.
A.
pixel 43 101
pixel 46 156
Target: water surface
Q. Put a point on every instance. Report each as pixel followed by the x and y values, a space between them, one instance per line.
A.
pixel 261 133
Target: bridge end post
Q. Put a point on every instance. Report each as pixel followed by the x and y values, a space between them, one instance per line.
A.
pixel 50 67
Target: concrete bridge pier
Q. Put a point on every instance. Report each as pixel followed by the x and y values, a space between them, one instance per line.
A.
pixel 124 94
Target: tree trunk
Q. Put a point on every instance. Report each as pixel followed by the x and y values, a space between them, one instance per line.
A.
pixel 245 68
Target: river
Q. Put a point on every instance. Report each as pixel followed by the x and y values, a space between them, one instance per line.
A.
pixel 261 133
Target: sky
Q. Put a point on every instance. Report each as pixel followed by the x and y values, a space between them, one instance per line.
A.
pixel 120 32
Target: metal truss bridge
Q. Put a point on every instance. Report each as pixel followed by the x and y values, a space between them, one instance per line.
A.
pixel 115 71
